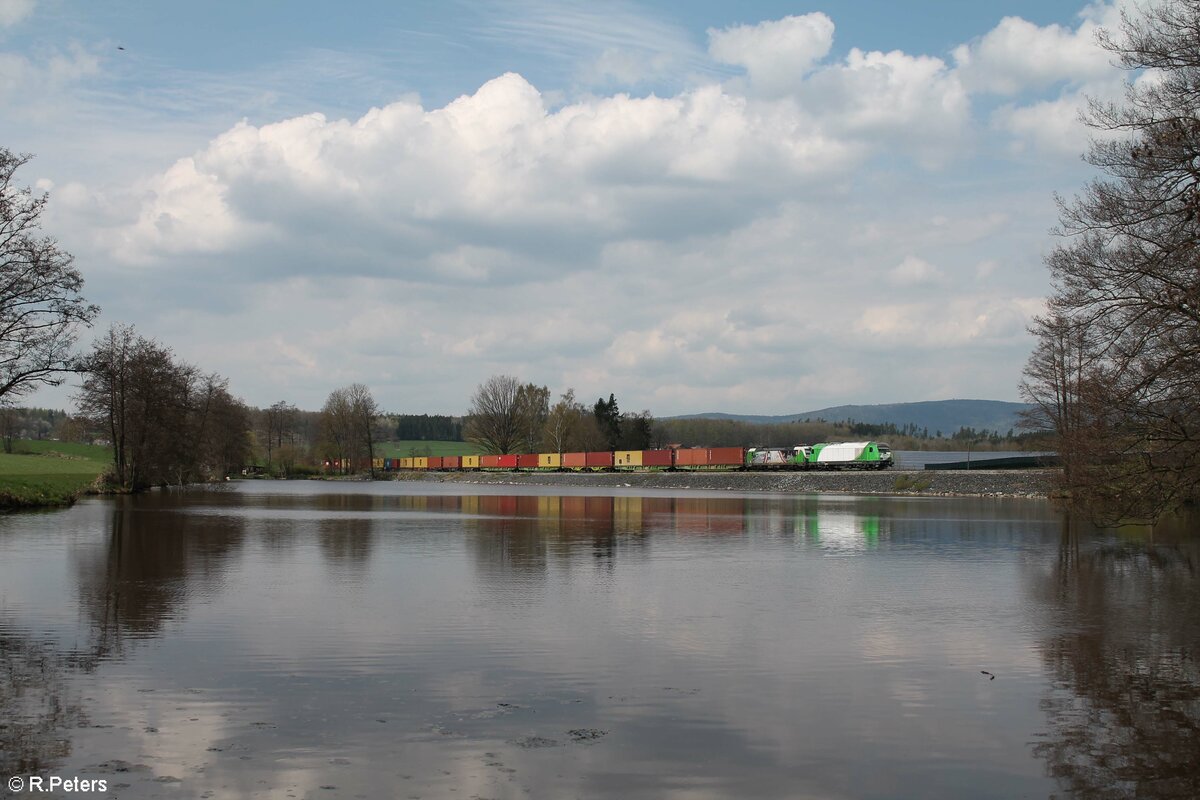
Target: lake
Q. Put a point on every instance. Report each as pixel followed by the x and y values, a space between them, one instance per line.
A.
pixel 409 639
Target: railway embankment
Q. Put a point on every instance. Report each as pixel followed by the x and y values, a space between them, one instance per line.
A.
pixel 950 483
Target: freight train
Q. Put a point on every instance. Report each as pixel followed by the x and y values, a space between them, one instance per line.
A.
pixel 839 455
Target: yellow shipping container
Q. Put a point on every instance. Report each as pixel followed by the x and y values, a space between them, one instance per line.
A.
pixel 627 458
pixel 470 462
pixel 406 463
pixel 549 460
pixel 377 463
pixel 421 462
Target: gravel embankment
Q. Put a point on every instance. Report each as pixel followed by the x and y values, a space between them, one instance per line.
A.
pixel 978 483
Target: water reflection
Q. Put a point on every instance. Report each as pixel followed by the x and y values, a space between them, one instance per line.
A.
pixel 1124 710
pixel 155 562
pixel 282 639
pixel 38 706
pixel 347 543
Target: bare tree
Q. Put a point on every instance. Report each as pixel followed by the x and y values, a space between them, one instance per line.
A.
pixel 348 422
pixel 562 423
pixel 533 409
pixel 278 424
pixel 493 421
pixel 1128 274
pixel 337 428
pixel 41 308
pixel 1056 384
pixel 363 413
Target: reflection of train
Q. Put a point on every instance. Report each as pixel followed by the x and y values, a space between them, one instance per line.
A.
pixel 840 455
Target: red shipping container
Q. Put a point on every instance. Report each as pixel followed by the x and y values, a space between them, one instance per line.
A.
pixel 598 459
pixel 435 462
pixel 574 460
pixel 726 457
pixel 691 457
pixel 507 461
pixel 527 461
pixel 451 462
pixel 489 462
pixel 656 458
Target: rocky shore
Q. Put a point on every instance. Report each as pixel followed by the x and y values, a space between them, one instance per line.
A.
pixel 973 483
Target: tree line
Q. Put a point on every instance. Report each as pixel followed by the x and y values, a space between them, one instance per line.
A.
pixel 1115 372
pixel 508 416
pixel 429 427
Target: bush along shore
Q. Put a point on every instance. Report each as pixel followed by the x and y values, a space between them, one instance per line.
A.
pixel 1034 483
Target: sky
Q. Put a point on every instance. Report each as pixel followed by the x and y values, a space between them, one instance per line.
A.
pixel 754 207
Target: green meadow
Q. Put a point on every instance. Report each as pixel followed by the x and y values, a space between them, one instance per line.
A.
pixel 417 447
pixel 41 473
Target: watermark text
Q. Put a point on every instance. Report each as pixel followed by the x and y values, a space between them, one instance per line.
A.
pixel 56 783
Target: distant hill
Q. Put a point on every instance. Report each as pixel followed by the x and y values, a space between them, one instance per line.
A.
pixel 946 416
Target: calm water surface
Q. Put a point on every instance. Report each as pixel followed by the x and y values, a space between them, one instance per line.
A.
pixel 407 640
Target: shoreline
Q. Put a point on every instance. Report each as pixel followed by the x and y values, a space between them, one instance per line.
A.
pixel 1029 483
pixel 1034 483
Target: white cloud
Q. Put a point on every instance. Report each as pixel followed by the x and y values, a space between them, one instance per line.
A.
pixel 1052 126
pixel 1018 55
pixel 904 102
pixel 913 271
pixel 937 324
pixel 777 54
pixel 481 171
pixel 913 101
pixel 26 81
pixel 13 11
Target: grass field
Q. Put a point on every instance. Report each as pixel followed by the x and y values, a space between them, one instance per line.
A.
pixel 417 447
pixel 40 473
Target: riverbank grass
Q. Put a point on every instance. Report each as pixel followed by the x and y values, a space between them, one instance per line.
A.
pixel 40 473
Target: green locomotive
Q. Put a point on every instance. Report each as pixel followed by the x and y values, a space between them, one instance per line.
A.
pixel 837 455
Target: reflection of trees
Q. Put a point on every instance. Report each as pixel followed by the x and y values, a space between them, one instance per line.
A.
pixel 37 705
pixel 347 542
pixel 1125 711
pixel 153 561
pixel 156 559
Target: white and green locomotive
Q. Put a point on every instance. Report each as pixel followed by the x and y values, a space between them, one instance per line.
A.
pixel 853 455
pixel 837 455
